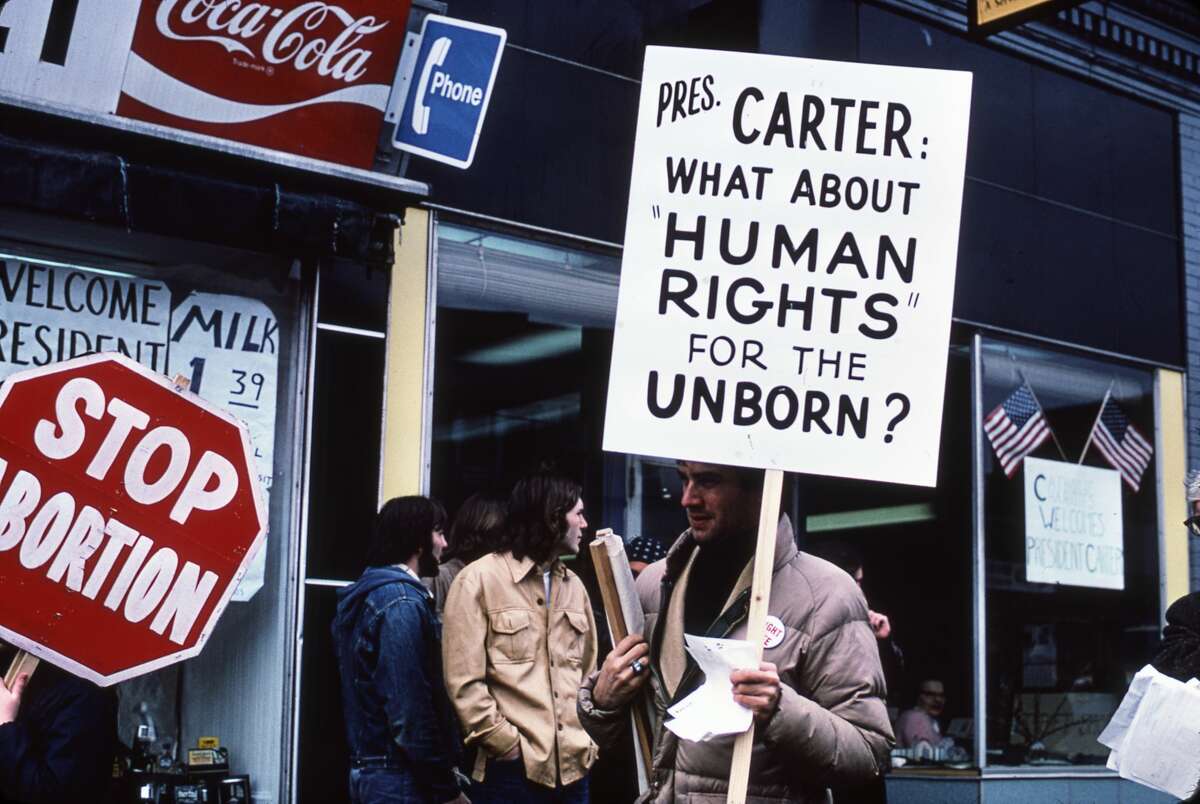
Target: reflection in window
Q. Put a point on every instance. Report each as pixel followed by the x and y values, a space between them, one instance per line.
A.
pixel 1071 555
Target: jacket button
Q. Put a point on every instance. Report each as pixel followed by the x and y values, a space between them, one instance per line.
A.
pixel 540 601
pixel 560 727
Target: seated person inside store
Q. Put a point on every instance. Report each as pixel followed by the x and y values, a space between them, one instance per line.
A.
pixel 403 738
pixel 58 737
pixel 920 724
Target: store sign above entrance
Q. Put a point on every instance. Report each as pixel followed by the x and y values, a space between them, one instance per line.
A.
pixel 447 97
pixel 312 78
pixel 129 512
pixel 789 262
pixel 992 16
pixel 306 77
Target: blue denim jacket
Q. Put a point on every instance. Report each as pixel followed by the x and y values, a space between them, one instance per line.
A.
pixel 388 643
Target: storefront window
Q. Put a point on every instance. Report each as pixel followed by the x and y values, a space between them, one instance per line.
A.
pixel 231 331
pixel 524 332
pixel 913 545
pixel 1071 548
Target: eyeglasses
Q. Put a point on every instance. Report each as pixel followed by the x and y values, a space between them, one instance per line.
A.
pixel 1193 524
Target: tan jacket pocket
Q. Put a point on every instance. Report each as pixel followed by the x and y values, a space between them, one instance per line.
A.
pixel 575 635
pixel 511 639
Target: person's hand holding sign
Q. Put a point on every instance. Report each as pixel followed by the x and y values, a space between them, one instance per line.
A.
pixel 757 690
pixel 623 674
pixel 10 700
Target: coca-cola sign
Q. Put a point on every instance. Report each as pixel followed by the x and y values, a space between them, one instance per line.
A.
pixel 306 76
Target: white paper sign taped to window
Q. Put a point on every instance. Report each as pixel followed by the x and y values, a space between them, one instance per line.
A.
pixel 1074 534
pixel 789 262
pixel 51 312
pixel 228 346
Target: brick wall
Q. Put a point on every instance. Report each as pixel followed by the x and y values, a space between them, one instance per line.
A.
pixel 1189 169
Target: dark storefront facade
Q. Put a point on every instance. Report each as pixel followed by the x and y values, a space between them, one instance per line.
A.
pixel 1073 278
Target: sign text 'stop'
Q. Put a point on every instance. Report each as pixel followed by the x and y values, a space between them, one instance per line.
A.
pixel 126 508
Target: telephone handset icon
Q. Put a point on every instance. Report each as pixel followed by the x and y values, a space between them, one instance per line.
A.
pixel 437 55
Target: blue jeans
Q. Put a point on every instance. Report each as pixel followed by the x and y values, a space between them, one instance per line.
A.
pixel 505 783
pixel 385 786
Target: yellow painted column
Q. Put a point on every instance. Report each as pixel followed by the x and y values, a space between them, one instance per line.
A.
pixel 1172 473
pixel 406 391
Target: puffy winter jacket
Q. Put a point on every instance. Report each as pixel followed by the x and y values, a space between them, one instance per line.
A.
pixel 831 726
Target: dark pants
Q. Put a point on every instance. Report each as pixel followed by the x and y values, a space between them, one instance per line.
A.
pixel 385 786
pixel 505 783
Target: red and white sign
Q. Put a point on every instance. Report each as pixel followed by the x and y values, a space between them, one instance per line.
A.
pixel 304 76
pixel 129 512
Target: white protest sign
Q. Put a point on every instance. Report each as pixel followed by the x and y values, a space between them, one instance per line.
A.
pixel 228 346
pixel 1073 528
pixel 51 312
pixel 788 267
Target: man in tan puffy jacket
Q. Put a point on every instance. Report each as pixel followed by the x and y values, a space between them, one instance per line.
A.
pixel 818 695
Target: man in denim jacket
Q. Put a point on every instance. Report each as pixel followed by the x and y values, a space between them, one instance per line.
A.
pixel 403 739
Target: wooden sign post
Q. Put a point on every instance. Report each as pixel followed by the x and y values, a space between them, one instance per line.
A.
pixel 756 623
pixel 23 663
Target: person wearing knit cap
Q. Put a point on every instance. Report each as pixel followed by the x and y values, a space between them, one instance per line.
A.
pixel 642 552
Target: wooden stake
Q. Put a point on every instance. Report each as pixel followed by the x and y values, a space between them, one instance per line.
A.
pixel 23 662
pixel 619 629
pixel 756 622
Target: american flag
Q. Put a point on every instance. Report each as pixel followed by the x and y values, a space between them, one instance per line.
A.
pixel 1121 444
pixel 1016 428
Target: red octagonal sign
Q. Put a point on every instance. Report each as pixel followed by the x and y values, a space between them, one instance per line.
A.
pixel 129 512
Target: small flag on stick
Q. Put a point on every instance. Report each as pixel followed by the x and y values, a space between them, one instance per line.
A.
pixel 1016 427
pixel 1121 444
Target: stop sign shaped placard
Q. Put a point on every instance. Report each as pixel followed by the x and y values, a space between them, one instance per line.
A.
pixel 129 512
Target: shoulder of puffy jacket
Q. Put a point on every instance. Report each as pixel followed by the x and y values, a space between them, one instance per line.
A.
pixel 816 595
pixel 649 583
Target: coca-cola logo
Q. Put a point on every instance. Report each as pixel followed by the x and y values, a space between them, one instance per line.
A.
pixel 313 35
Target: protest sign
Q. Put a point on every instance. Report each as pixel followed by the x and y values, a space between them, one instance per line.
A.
pixel 788 267
pixel 1073 529
pixel 127 509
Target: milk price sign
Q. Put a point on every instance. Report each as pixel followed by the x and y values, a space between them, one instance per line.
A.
pixel 789 261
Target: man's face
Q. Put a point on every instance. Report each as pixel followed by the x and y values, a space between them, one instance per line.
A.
pixel 932 697
pixel 439 544
pixel 636 567
pixel 427 560
pixel 716 503
pixel 575 525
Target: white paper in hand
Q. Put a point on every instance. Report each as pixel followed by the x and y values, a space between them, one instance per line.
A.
pixel 1155 734
pixel 711 711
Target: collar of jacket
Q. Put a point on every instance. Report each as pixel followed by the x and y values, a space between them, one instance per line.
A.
pixel 681 551
pixel 730 618
pixel 522 567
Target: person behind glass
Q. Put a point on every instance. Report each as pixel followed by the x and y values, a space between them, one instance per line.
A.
pixel 816 697
pixel 400 727
pixel 58 737
pixel 519 638
pixel 1179 654
pixel 643 551
pixel 478 529
pixel 920 724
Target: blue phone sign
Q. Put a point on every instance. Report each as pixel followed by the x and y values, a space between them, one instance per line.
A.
pixel 449 91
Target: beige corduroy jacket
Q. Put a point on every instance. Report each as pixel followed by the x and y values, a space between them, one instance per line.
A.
pixel 513 664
